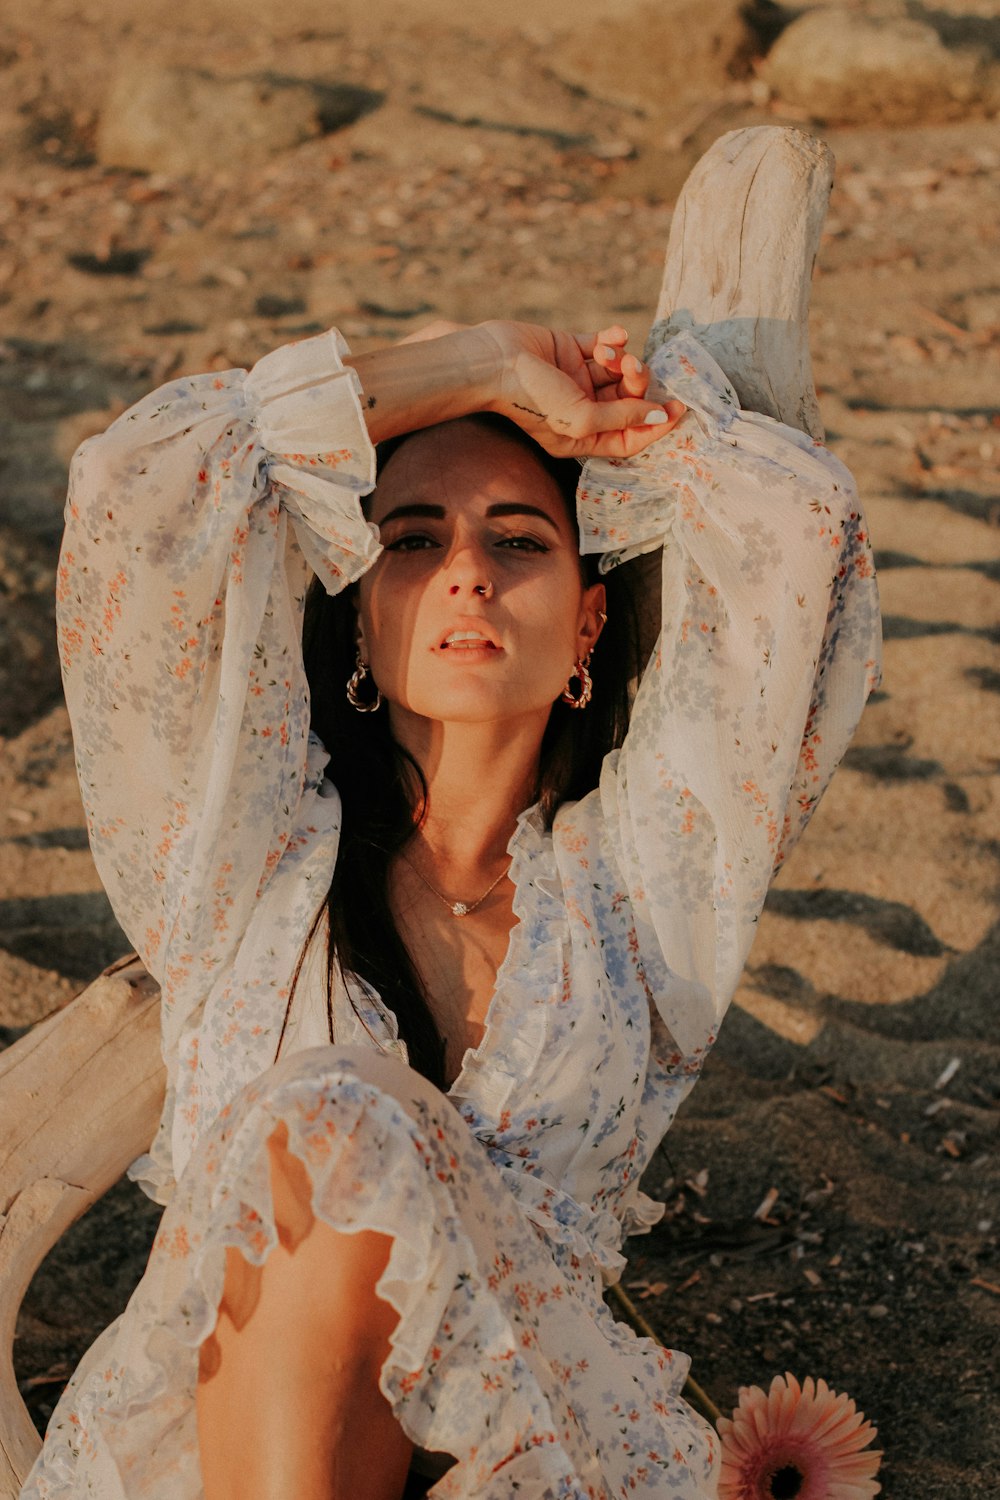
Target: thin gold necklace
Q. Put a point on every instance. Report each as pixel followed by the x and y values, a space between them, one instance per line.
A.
pixel 457 908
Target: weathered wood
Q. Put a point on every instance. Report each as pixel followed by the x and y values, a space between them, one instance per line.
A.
pixel 737 274
pixel 81 1094
pixel 80 1097
pixel 739 264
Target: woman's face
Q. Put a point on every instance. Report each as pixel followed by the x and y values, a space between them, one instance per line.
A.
pixel 477 610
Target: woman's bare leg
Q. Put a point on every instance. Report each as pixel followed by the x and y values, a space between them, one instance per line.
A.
pixel 288 1402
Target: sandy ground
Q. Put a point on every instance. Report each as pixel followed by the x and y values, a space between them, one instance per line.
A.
pixel 855 1084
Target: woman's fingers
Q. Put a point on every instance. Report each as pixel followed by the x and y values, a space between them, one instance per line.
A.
pixel 611 366
pixel 635 376
pixel 615 334
pixel 604 348
pixel 629 413
pixel 616 374
pixel 626 442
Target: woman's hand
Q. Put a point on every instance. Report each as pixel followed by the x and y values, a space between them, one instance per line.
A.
pixel 577 395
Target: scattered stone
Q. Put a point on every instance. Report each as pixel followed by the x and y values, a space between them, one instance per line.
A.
pixel 271 306
pixel 183 120
pixel 114 263
pixel 665 57
pixel 842 66
pixel 379 310
pixel 174 326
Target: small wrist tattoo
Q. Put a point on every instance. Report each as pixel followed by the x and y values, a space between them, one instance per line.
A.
pixel 531 411
pixel 370 401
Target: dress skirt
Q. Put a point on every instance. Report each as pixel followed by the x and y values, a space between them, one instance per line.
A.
pixel 505 1355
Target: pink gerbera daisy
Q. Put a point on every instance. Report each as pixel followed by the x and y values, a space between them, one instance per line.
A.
pixel 796 1443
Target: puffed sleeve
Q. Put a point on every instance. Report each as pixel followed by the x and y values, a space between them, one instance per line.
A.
pixel 769 646
pixel 190 525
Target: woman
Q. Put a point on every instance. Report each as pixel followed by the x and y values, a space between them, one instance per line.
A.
pixel 545 918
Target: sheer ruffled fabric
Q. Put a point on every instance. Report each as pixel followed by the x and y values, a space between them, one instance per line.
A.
pixel 769 646
pixel 504 1356
pixel 192 526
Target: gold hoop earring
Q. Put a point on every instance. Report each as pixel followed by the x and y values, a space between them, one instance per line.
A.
pixel 585 694
pixel 363 706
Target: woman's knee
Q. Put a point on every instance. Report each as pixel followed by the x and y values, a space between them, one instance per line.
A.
pixel 315 1283
pixel 386 1074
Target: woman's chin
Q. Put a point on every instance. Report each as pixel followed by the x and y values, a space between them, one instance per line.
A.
pixel 475 703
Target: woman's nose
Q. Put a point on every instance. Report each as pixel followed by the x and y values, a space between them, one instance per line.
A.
pixel 484 589
pixel 467 574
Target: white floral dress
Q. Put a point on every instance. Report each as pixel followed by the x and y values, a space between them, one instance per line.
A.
pixel 193 525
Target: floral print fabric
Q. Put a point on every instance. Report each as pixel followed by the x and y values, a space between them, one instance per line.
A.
pixel 192 526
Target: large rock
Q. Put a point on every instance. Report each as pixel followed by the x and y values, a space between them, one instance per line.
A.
pixel 847 67
pixel 659 58
pixel 181 120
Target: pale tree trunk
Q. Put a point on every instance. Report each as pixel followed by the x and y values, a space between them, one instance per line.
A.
pixel 81 1094
pixel 80 1097
pixel 743 242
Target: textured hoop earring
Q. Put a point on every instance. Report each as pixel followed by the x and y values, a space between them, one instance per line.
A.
pixel 363 706
pixel 585 694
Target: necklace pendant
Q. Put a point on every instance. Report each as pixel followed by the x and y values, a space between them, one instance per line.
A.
pixel 460 909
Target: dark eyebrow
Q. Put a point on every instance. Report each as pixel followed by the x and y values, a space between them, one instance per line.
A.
pixel 518 508
pixel 428 512
pixel 437 512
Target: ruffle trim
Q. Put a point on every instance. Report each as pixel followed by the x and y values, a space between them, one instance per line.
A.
pixel 640 1214
pixel 338 1125
pixel 516 1025
pixel 306 406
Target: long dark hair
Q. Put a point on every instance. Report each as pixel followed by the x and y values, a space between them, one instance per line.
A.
pixel 382 789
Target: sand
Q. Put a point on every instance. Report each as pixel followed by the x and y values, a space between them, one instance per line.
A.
pixel 857 1073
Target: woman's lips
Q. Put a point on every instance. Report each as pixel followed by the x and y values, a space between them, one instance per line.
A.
pixel 469 638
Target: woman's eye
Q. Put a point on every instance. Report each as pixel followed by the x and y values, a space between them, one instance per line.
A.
pixel 522 544
pixel 412 542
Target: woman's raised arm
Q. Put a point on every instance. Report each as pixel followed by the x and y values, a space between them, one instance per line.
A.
pixel 769 647
pixel 181 580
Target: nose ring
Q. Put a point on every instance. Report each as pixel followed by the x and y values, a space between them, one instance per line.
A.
pixel 485 589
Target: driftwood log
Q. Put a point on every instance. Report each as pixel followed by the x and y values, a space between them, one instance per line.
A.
pixel 80 1097
pixel 81 1093
pixel 739 263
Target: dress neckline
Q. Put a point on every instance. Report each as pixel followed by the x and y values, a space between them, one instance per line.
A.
pixel 514 1026
pixel 474 1057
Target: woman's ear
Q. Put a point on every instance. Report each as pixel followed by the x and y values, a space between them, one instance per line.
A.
pixel 593 615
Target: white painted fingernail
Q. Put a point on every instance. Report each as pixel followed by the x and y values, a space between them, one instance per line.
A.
pixel 654 418
pixel 608 353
